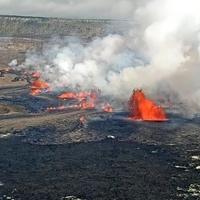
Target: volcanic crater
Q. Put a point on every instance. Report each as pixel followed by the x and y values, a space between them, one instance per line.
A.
pixel 72 153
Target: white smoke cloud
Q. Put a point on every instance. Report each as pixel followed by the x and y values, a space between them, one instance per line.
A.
pixel 162 50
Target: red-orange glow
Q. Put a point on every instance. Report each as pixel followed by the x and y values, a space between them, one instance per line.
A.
pixel 87 104
pixel 142 108
pixel 35 92
pixel 86 100
pixel 107 108
pixel 82 95
pixel 67 96
pixel 78 95
pixel 74 95
pixel 38 86
pixel 93 95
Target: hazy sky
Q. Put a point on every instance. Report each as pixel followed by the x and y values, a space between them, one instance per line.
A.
pixel 70 8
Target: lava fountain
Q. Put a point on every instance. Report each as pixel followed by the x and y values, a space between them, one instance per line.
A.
pixel 142 108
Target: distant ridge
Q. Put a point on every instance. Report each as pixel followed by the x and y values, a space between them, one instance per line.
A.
pixel 62 18
pixel 44 27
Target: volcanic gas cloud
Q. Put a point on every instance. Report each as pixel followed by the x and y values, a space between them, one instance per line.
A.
pixel 159 52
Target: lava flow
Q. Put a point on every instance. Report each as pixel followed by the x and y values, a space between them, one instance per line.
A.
pixel 87 99
pixel 107 108
pixel 74 95
pixel 87 104
pixel 67 96
pixel 38 87
pixel 142 108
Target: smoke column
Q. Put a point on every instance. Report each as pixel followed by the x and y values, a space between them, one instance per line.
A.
pixel 160 53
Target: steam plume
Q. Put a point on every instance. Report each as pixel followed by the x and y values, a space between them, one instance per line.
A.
pixel 160 53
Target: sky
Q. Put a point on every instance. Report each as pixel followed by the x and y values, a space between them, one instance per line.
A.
pixel 119 9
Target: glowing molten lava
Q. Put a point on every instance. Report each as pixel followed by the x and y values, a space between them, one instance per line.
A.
pixel 87 104
pixel 67 96
pixel 38 87
pixel 142 108
pixel 86 99
pixel 107 108
pixel 74 95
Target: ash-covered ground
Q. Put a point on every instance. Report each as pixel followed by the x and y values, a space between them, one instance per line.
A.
pixel 52 155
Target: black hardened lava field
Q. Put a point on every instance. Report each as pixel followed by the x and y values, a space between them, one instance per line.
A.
pixel 51 150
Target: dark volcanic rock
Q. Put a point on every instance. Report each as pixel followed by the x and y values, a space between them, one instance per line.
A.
pixel 102 170
pixel 52 156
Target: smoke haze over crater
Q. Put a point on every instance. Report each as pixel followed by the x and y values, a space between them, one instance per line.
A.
pixel 160 53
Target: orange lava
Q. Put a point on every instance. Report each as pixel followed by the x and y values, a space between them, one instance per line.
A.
pixel 74 95
pixel 35 92
pixel 142 108
pixel 87 99
pixel 87 104
pixel 38 87
pixel 82 95
pixel 67 96
pixel 107 108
